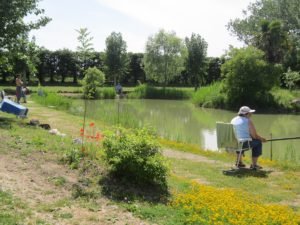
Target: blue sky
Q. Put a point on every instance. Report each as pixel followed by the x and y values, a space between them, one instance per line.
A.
pixel 137 20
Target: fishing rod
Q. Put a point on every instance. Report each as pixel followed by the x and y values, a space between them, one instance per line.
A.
pixel 283 139
pixel 279 139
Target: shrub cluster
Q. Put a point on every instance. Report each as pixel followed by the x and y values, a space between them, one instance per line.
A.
pixel 209 96
pixel 93 78
pixel 135 156
pixel 106 93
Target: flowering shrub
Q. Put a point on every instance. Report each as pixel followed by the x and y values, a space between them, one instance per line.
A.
pixel 91 139
pixel 209 205
pixel 135 156
pixel 91 134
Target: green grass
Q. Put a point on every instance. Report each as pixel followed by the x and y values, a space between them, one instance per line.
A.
pixel 150 92
pixel 283 99
pixel 156 213
pixel 51 99
pixel 34 89
pixel 106 93
pixel 209 96
pixel 275 188
pixel 12 210
pixel 272 189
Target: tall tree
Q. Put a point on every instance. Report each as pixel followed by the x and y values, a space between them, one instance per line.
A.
pixel 196 59
pixel 285 11
pixel 12 24
pixel 164 57
pixel 85 48
pixel 44 65
pixel 24 56
pixel 116 57
pixel 214 69
pixel 253 27
pixel 273 40
pixel 136 72
pixel 66 64
pixel 6 66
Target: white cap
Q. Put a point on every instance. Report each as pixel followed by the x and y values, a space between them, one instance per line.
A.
pixel 245 109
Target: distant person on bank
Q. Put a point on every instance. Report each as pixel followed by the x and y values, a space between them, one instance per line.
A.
pixel 245 129
pixel 19 84
pixel 119 89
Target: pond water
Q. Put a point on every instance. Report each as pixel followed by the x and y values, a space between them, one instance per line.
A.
pixel 182 121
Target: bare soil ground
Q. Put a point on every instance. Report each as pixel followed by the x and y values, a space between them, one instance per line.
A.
pixel 32 179
pixel 45 185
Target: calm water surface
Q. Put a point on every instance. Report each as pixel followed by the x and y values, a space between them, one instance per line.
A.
pixel 182 121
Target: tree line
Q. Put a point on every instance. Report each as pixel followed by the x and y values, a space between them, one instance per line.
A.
pixel 270 26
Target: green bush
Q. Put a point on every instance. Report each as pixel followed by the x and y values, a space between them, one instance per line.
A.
pixel 106 93
pixel 93 78
pixel 148 92
pixel 135 156
pixel 291 79
pixel 248 76
pixel 210 96
pixel 283 99
pixel 73 157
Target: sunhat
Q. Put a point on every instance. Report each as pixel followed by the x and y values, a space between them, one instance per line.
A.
pixel 245 109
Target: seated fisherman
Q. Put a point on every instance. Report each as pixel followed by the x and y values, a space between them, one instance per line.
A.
pixel 245 129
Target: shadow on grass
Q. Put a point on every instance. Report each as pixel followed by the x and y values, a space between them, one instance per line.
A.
pixel 246 172
pixel 6 123
pixel 119 189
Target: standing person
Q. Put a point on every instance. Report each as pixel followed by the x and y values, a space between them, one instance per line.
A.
pixel 119 89
pixel 245 129
pixel 19 84
pixel 23 93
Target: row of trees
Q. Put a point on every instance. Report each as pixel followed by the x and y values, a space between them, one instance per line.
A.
pixel 271 26
pixel 167 59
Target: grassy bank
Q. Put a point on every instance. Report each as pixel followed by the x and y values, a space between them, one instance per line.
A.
pixel 199 192
pixel 278 100
pixel 150 92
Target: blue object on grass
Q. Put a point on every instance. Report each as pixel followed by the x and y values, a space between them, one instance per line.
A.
pixel 12 107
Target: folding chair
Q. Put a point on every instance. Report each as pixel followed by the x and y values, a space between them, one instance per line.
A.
pixel 226 139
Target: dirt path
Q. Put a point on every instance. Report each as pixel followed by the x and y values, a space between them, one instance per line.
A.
pixel 171 153
pixel 32 179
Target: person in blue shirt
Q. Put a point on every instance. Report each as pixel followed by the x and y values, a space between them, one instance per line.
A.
pixel 245 130
pixel 119 89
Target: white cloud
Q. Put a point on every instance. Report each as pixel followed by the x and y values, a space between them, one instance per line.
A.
pixel 205 17
pixel 138 19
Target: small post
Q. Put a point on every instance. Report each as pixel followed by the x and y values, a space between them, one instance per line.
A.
pixel 84 116
pixel 271 152
pixel 118 111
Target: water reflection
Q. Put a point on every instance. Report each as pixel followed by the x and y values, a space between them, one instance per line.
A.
pixel 182 121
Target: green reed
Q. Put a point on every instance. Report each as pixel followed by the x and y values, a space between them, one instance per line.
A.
pixel 150 92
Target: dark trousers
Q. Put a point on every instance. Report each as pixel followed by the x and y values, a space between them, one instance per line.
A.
pixel 255 145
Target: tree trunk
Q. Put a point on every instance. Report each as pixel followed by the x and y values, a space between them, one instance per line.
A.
pixel 115 79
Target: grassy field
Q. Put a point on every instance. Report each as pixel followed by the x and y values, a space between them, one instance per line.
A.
pixel 61 192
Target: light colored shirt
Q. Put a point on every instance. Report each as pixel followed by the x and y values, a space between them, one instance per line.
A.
pixel 241 127
pixel 19 82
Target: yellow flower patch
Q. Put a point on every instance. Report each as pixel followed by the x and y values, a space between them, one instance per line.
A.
pixel 209 205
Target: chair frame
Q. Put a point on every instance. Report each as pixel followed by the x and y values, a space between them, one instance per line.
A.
pixel 240 142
